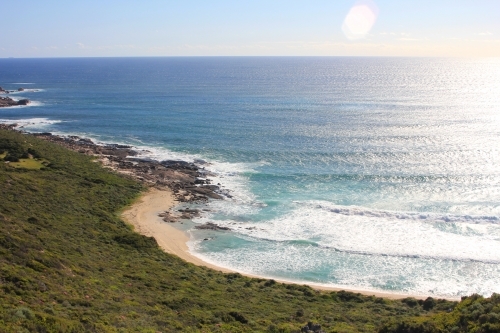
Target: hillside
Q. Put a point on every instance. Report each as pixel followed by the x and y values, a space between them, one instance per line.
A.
pixel 68 263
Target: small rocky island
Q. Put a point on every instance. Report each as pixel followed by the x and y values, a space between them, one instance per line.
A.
pixel 7 101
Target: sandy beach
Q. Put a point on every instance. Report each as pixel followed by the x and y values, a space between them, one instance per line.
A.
pixel 143 215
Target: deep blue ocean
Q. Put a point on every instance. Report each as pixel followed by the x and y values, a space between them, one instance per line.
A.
pixel 367 173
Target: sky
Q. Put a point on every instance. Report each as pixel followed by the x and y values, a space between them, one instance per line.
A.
pixel 114 28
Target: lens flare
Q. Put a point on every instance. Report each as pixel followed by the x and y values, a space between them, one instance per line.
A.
pixel 360 19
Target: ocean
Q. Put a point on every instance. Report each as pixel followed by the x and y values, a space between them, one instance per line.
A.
pixel 378 174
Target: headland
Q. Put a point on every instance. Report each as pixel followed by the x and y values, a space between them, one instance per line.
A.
pixel 170 183
pixel 70 263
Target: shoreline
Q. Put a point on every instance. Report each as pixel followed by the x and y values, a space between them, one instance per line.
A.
pixel 143 216
pixel 169 183
pixel 189 181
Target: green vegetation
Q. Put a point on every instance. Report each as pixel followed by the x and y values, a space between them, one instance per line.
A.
pixel 28 163
pixel 473 314
pixel 68 263
pixel 19 156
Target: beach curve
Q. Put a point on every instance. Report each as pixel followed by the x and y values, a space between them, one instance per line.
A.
pixel 143 216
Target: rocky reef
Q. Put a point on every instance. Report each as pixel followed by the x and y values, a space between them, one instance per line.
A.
pixel 188 181
pixel 7 101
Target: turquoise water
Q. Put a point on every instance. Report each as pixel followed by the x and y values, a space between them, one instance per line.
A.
pixel 368 173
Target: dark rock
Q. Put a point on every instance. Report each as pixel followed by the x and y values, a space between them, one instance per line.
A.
pixel 211 187
pixel 190 211
pixel 169 217
pixel 211 226
pixel 180 176
pixel 23 102
pixel 205 191
pixel 200 161
pixel 85 140
pixel 179 164
pixel 122 153
pixel 7 101
pixel 20 89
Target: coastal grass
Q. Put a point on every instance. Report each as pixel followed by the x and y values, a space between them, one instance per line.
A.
pixel 68 263
pixel 28 163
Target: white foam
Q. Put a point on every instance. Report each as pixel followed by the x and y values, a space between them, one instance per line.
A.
pixel 31 123
pixel 302 263
pixel 15 92
pixel 364 231
pixel 230 176
pixel 31 103
pixel 238 200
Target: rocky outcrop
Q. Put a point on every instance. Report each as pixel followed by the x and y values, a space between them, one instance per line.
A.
pixel 23 102
pixel 7 101
pixel 187 180
pixel 211 226
pixel 169 217
pixel 5 91
pixel 205 190
pixel 189 213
